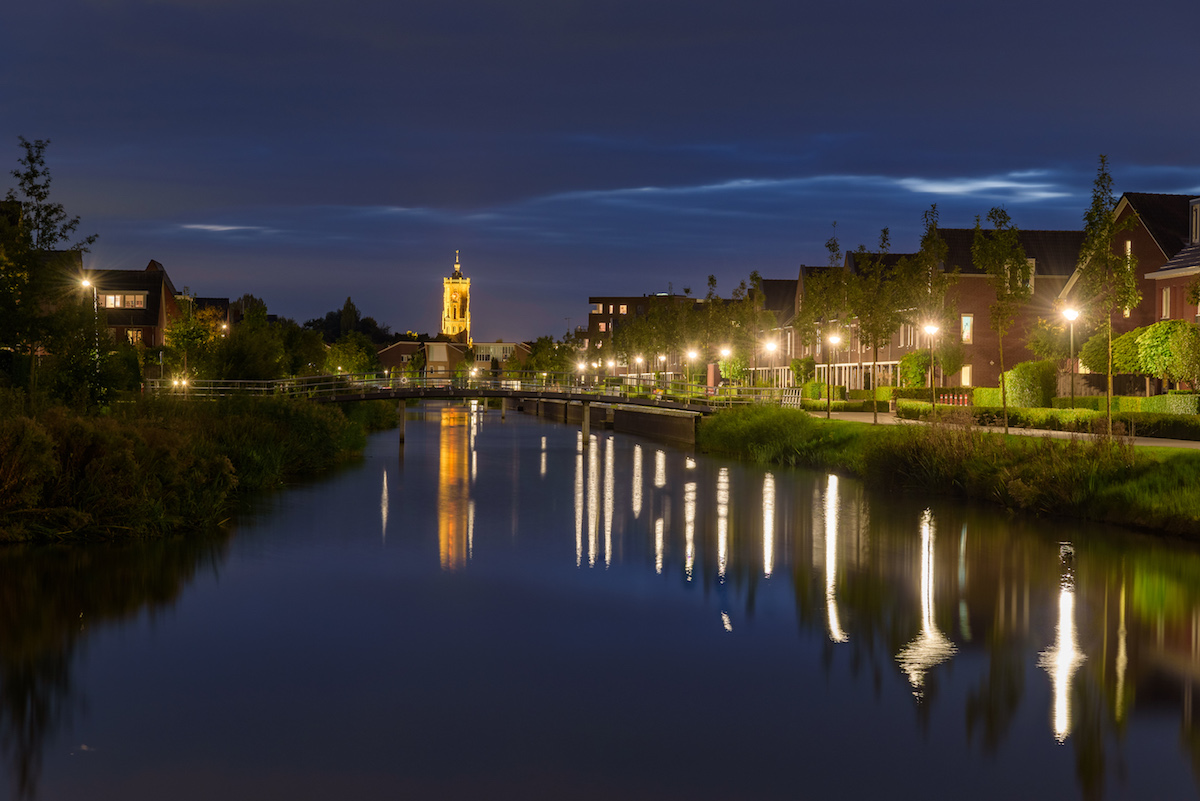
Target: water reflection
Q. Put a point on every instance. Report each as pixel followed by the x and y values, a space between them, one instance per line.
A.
pixel 1063 658
pixel 931 647
pixel 456 433
pixel 52 599
pixel 836 633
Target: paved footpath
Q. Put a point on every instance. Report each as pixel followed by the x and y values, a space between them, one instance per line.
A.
pixel 889 418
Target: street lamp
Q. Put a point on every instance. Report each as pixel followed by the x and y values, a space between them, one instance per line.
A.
pixel 1072 315
pixel 95 323
pixel 691 356
pixel 931 329
pixel 771 347
pixel 834 339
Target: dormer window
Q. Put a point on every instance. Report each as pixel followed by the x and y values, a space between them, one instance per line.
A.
pixel 1195 221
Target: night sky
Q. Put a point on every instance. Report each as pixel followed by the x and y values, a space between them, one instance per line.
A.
pixel 309 151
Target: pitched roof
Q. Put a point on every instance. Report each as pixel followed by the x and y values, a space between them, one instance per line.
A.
pixel 1185 258
pixel 1053 252
pixel 779 296
pixel 1164 216
pixel 153 280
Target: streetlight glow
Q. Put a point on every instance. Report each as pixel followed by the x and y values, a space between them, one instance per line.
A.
pixel 834 341
pixel 1072 315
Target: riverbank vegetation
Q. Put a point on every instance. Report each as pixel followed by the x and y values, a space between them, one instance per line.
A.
pixel 1102 478
pixel 151 466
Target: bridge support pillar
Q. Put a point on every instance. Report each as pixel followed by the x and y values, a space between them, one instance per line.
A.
pixel 587 423
pixel 400 414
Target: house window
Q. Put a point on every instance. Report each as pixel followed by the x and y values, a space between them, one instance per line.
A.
pixel 966 375
pixel 134 335
pixel 968 328
pixel 603 327
pixel 1166 303
pixel 111 301
pixel 610 308
pixel 624 309
pixel 135 301
pixel 1128 248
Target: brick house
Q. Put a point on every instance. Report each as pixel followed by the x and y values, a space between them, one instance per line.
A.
pixel 137 304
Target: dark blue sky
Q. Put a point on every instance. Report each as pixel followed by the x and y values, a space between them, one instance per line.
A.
pixel 307 151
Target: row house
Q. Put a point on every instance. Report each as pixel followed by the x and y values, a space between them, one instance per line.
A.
pixel 1052 255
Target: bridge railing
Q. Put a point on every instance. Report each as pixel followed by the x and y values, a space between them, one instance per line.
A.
pixel 663 386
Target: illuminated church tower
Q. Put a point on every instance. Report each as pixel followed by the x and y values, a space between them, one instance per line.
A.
pixel 456 305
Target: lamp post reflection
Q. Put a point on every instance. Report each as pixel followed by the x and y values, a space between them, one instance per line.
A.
pixel 768 524
pixel 930 648
pixel 836 633
pixel 1062 659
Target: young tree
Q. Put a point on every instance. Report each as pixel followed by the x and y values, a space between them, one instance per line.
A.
pixel 35 277
pixel 999 253
pixel 1108 278
pixel 880 293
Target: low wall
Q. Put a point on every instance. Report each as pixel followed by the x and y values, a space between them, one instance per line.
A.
pixel 661 424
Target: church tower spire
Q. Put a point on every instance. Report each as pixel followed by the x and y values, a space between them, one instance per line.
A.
pixel 456 305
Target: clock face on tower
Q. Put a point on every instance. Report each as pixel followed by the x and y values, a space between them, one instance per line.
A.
pixel 453 296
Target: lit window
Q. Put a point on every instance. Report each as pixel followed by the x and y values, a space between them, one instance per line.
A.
pixel 134 335
pixel 1166 303
pixel 112 301
pixel 603 327
pixel 135 301
pixel 610 308
pixel 968 328
pixel 1128 248
pixel 624 309
pixel 966 375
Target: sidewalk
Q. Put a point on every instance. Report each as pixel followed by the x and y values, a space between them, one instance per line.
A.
pixel 889 418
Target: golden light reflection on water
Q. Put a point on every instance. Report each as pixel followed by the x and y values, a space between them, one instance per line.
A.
pixel 609 501
pixel 543 471
pixel 768 524
pixel 593 500
pixel 453 491
pixel 637 481
pixel 930 648
pixel 579 505
pixel 383 506
pixel 722 521
pixel 660 469
pixel 836 633
pixel 658 546
pixel 1062 659
pixel 689 527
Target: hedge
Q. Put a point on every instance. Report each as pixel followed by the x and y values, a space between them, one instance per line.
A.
pixel 885 394
pixel 816 390
pixel 1172 404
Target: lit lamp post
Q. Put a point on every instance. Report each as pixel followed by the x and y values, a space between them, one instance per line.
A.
pixel 771 346
pixel 691 357
pixel 582 370
pixel 95 323
pixel 931 329
pixel 1072 315
pixel 834 339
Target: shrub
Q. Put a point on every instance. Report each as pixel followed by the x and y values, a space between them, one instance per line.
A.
pixel 884 394
pixel 816 390
pixel 987 396
pixel 1172 404
pixel 1030 384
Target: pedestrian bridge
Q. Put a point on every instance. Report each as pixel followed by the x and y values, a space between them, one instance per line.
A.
pixel 648 405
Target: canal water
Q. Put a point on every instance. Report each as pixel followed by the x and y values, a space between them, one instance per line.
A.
pixel 497 611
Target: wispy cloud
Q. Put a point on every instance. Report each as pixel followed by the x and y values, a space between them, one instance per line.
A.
pixel 222 229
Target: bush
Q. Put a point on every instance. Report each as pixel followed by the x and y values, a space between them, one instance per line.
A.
pixel 987 396
pixel 1172 404
pixel 1169 426
pixel 1030 384
pixel 884 394
pixel 816 390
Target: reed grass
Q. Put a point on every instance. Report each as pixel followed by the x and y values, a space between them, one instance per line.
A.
pixel 1096 478
pixel 157 465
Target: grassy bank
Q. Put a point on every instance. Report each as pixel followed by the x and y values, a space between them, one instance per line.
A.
pixel 153 466
pixel 1094 479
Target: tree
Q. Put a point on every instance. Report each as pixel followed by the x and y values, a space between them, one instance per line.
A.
pixel 35 278
pixel 880 297
pixel 1185 349
pixel 353 353
pixel 1108 278
pixel 1155 352
pixel 999 253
